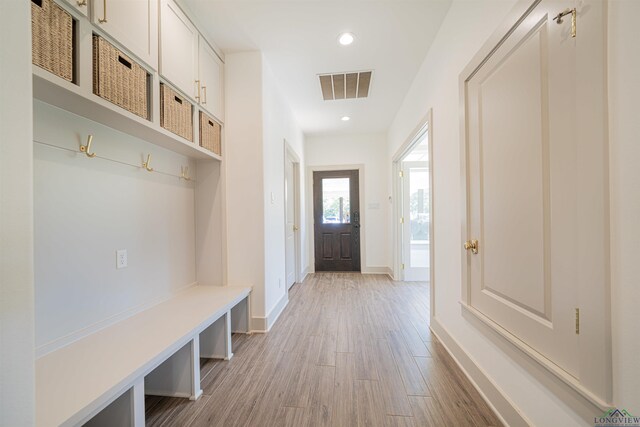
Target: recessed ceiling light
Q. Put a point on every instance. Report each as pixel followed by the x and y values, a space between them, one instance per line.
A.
pixel 345 39
pixel 345 118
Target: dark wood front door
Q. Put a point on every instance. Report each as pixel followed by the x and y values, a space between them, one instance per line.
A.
pixel 336 212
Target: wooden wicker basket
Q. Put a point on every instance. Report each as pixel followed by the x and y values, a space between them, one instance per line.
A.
pixel 210 134
pixel 176 113
pixel 118 79
pixel 52 38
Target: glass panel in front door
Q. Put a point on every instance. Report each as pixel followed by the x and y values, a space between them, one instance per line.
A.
pixel 335 201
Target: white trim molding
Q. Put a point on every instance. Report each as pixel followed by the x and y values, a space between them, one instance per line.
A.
pixel 582 405
pixel 501 405
pixel 263 325
pixel 304 274
pixel 376 270
pixel 425 125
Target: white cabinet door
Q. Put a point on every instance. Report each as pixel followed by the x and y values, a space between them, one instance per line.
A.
pixel 211 72
pixel 178 49
pixel 133 23
pixel 535 182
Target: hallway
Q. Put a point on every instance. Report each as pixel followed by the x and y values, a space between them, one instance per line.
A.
pixel 348 350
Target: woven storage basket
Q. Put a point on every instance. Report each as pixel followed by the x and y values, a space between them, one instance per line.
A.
pixel 175 112
pixel 118 79
pixel 210 134
pixel 52 38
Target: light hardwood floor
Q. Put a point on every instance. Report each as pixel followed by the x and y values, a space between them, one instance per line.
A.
pixel 349 350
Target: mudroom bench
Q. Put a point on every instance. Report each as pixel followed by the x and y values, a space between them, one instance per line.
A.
pixel 101 379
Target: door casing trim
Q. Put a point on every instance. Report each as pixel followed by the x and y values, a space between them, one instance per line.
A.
pixel 290 154
pixel 425 125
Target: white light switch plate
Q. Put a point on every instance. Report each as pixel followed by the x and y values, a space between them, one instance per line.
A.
pixel 121 259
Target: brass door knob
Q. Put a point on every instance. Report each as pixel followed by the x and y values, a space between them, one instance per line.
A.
pixel 296 228
pixel 471 244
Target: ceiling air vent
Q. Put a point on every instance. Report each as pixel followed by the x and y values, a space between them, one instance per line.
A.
pixel 345 85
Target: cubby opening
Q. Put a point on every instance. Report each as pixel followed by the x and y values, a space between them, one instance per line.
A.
pixel 120 412
pixel 174 376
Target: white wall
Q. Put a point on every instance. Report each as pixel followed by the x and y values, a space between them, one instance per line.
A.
pixel 371 151
pixel 17 395
pixel 624 93
pixel 258 121
pixel 538 395
pixel 279 125
pixel 86 209
pixel 243 156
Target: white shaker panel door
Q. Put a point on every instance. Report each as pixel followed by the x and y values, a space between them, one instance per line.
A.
pixel 523 185
pixel 133 23
pixel 211 72
pixel 178 49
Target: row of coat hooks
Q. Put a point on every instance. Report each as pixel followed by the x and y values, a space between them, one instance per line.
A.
pixel 146 164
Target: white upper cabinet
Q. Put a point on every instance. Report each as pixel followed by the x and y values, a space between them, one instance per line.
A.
pixel 133 23
pixel 211 74
pixel 178 49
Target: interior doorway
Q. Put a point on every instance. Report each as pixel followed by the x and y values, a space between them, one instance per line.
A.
pixel 416 215
pixel 336 213
pixel 292 217
pixel 413 208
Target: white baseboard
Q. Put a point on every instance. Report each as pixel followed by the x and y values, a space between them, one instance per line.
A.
pixel 264 324
pixel 105 323
pixel 376 270
pixel 304 274
pixel 258 325
pixel 364 270
pixel 214 356
pixel 172 394
pixel 503 407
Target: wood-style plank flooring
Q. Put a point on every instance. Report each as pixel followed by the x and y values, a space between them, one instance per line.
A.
pixel 349 350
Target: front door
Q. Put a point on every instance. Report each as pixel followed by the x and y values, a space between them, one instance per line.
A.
pixel 336 212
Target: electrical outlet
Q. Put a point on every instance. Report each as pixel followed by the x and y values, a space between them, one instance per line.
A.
pixel 121 259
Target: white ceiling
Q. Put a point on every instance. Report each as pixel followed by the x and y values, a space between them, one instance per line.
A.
pixel 299 41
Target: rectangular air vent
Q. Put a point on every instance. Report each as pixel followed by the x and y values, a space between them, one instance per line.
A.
pixel 345 85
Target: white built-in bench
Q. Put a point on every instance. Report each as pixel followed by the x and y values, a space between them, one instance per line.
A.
pixel 102 379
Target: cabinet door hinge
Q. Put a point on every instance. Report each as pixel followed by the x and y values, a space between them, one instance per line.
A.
pixel 402 266
pixel 401 174
pixel 577 321
pixel 401 220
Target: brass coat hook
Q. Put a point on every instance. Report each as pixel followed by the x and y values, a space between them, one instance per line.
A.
pixel 147 164
pixel 184 173
pixel 86 149
pixel 559 19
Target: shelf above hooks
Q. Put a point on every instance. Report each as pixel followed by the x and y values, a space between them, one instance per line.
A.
pixel 81 101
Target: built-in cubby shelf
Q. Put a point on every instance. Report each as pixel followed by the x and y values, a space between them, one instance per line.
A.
pixel 71 97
